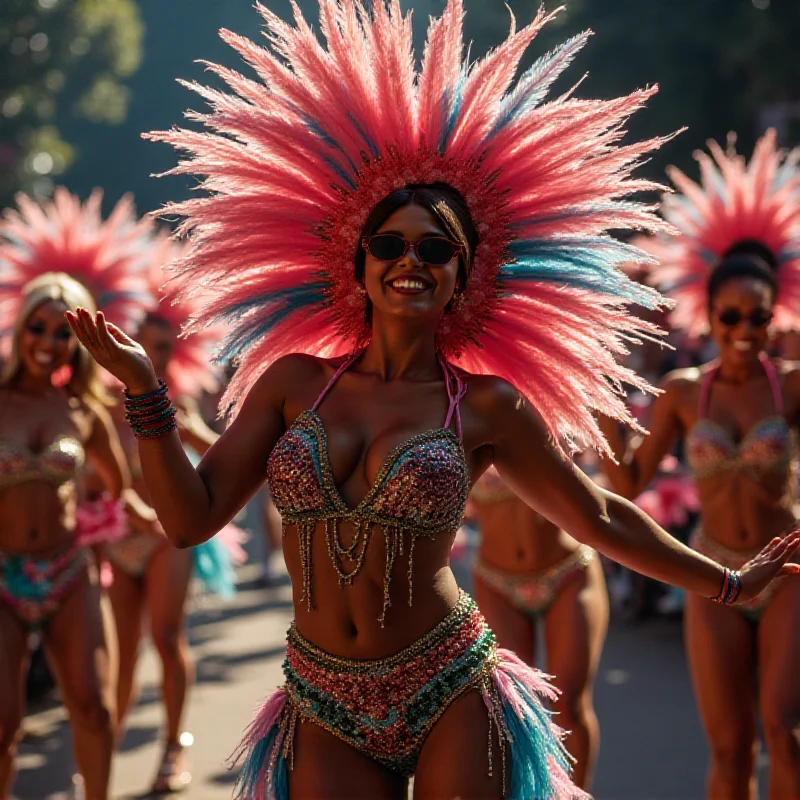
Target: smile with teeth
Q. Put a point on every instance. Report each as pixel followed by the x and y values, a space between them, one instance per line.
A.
pixel 43 358
pixel 743 345
pixel 412 284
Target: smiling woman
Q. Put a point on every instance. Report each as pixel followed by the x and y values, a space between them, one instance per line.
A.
pixel 372 407
pixel 735 273
pixel 54 428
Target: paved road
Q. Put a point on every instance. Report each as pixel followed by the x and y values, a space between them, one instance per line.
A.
pixel 652 748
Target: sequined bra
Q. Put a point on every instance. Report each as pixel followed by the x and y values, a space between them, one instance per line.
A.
pixel 767 448
pixel 491 488
pixel 420 490
pixel 56 464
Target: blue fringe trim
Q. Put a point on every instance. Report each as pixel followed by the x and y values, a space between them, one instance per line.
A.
pixel 532 747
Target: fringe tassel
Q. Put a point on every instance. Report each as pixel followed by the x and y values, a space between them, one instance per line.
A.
pixel 267 751
pixel 539 763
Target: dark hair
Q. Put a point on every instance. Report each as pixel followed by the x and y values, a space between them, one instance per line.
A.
pixel 745 259
pixel 445 203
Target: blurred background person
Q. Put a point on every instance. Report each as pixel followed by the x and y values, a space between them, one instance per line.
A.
pixel 735 271
pixel 528 575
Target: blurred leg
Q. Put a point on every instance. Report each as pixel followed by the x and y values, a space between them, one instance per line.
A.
pixel 81 644
pixel 13 667
pixel 720 645
pixel 575 630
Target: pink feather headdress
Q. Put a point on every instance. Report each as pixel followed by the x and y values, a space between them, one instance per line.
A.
pixel 190 370
pixel 734 202
pixel 294 163
pixel 109 257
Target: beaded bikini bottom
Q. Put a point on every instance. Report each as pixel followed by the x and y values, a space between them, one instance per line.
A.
pixel 35 586
pixel 535 592
pixel 385 708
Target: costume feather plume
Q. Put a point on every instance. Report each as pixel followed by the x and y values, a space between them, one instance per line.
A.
pixel 294 160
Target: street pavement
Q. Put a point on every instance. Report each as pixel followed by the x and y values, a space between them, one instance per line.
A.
pixel 652 744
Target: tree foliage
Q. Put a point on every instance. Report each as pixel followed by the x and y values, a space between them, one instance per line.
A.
pixel 59 59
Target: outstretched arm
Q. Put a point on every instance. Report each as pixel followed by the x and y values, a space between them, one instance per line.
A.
pixel 636 466
pixel 525 457
pixel 192 504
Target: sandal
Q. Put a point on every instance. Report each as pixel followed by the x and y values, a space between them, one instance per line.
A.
pixel 172 776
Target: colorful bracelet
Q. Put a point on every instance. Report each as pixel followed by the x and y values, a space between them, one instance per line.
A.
pixel 150 415
pixel 731 588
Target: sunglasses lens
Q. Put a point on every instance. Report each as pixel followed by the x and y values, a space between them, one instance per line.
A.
pixel 386 247
pixel 758 319
pixel 730 317
pixel 435 251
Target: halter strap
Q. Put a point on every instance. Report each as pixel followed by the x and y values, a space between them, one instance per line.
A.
pixel 346 364
pixel 772 377
pixel 450 377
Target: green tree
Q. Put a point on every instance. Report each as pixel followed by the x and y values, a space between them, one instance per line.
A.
pixel 59 59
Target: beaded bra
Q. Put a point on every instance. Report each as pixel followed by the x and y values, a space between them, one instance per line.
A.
pixel 766 448
pixel 56 464
pixel 420 490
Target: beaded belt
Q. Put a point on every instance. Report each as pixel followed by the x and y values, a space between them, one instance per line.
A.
pixel 385 708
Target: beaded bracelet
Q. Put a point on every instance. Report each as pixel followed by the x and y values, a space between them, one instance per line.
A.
pixel 150 415
pixel 731 588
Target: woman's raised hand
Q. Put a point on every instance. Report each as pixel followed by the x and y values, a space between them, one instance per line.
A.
pixel 114 351
pixel 769 564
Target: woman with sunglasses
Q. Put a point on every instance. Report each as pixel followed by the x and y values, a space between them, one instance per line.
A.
pixel 528 572
pixel 734 274
pixel 54 426
pixel 398 221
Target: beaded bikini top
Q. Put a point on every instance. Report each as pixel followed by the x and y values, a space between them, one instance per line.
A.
pixel 767 447
pixel 420 490
pixel 56 464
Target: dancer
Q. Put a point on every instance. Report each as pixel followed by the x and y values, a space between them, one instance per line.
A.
pixel 53 423
pixel 735 271
pixel 367 228
pixel 528 571
pixel 151 577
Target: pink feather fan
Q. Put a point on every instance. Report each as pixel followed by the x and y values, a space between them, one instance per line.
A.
pixel 294 161
pixel 109 257
pixel 733 202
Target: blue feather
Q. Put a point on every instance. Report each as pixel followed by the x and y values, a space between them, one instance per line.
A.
pixel 533 744
pixel 584 263
pixel 258 315
pixel 533 86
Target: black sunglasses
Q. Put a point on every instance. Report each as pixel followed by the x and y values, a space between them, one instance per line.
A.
pixel 434 250
pixel 730 317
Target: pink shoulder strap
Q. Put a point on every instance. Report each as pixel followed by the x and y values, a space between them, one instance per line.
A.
pixel 705 392
pixel 346 364
pixel 456 389
pixel 774 384
pixel 772 377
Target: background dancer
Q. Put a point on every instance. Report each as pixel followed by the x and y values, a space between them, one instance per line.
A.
pixel 735 271
pixel 529 571
pixel 52 404
pixel 151 577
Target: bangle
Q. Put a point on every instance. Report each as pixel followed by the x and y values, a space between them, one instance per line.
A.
pixel 731 588
pixel 159 392
pixel 151 415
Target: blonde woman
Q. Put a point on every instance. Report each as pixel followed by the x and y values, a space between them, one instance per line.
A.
pixel 52 423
